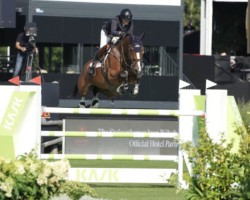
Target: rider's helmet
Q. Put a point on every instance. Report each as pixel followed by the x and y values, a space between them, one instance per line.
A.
pixel 126 14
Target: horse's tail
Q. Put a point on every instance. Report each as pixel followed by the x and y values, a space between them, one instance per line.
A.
pixel 75 91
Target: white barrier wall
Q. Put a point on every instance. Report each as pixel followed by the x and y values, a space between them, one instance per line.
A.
pixel 20 117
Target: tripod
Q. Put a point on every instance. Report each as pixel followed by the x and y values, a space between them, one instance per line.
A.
pixel 28 68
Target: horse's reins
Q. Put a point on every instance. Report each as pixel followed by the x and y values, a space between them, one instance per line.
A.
pixel 123 57
pixel 133 60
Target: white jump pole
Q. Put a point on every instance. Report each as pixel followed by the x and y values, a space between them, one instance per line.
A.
pixel 107 111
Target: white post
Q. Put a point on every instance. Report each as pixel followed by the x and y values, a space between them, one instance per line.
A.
pixel 206 21
pixel 216 113
pixel 186 127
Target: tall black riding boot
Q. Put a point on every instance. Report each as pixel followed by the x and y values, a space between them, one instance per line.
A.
pixel 91 71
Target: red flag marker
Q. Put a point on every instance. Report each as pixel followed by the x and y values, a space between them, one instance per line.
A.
pixel 15 80
pixel 36 80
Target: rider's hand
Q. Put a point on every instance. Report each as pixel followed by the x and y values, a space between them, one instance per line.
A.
pixel 122 34
pixel 23 49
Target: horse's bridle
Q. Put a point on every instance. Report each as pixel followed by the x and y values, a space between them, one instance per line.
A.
pixel 134 61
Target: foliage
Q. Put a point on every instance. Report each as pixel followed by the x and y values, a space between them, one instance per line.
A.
pixel 75 190
pixel 244 108
pixel 30 178
pixel 3 51
pixel 192 12
pixel 54 57
pixel 216 172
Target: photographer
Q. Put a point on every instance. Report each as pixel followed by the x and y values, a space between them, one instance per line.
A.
pixel 25 44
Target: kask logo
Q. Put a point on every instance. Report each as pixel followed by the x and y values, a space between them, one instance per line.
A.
pixel 13 114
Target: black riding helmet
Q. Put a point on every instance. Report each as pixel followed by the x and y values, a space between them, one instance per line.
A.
pixel 126 14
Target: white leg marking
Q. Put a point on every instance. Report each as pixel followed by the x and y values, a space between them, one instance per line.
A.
pixel 82 103
pixel 136 89
pixel 95 102
pixel 138 62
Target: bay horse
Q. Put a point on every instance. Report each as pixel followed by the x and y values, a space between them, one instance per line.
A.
pixel 118 70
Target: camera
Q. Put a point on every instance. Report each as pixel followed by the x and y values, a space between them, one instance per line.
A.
pixel 32 42
pixel 31 31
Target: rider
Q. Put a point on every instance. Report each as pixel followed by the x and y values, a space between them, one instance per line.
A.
pixel 111 32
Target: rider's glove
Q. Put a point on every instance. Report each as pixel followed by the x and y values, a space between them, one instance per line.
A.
pixel 114 40
pixel 122 34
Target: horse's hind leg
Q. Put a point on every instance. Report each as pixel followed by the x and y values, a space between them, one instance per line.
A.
pixel 112 103
pixel 82 103
pixel 82 90
pixel 95 100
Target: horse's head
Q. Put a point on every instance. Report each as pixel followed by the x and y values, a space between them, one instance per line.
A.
pixel 133 55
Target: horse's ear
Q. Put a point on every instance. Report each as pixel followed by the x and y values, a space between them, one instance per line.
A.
pixel 142 36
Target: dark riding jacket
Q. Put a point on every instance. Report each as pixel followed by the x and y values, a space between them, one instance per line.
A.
pixel 115 26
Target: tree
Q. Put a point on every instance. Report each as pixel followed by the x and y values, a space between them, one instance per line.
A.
pixel 192 12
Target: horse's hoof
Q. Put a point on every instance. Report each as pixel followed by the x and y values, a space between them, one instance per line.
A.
pixel 95 103
pixel 132 94
pixel 82 105
pixel 122 91
pixel 95 106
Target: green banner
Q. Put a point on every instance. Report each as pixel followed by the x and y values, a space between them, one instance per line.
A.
pixel 11 121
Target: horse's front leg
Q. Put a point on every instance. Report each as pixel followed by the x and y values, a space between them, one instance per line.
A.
pixel 135 91
pixel 123 75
